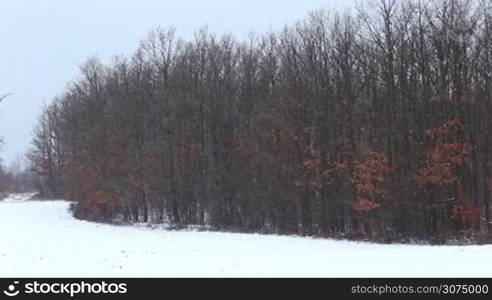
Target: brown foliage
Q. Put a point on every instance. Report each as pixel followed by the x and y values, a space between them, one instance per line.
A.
pixel 100 206
pixel 369 180
pixel 445 158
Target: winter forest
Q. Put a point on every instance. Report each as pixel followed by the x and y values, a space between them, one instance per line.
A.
pixel 370 125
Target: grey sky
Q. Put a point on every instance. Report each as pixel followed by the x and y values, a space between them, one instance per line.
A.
pixel 42 43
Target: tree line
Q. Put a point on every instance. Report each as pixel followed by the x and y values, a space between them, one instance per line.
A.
pixel 15 178
pixel 374 124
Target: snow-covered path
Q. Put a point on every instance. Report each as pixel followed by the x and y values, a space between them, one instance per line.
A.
pixel 41 239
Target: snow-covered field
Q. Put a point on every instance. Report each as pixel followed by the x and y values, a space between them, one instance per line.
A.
pixel 41 239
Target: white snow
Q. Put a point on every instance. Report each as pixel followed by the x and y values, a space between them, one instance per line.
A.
pixel 42 239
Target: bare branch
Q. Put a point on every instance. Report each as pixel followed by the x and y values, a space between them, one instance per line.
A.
pixel 5 96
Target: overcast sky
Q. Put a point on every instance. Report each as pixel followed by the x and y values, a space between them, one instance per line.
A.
pixel 42 43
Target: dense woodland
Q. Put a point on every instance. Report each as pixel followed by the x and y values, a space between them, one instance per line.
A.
pixel 374 124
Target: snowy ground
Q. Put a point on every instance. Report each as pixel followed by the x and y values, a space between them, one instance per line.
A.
pixel 41 239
